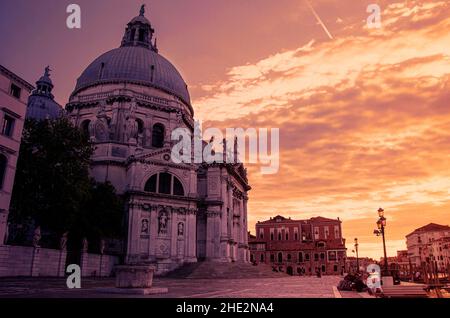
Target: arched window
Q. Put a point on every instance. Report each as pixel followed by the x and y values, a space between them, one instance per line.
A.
pixel 280 257
pixel 85 126
pixel 150 185
pixel 3 164
pixel 300 257
pixel 177 187
pixel 158 136
pixel 261 258
pixel 289 257
pixel 279 236
pixel 164 183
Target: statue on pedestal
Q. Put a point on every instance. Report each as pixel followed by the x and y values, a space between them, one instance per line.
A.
pixel 37 236
pixel 102 246
pixel 63 241
pixel 85 245
pixel 163 219
pixel 180 229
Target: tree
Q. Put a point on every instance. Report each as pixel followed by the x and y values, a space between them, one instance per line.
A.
pixel 52 185
pixel 101 214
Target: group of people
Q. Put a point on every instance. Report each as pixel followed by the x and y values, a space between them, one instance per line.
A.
pixel 353 282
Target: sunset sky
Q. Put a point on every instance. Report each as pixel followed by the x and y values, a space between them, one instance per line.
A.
pixel 364 117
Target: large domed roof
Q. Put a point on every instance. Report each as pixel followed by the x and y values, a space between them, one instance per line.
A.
pixel 134 64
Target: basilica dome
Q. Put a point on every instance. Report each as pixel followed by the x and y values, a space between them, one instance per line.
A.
pixel 136 61
pixel 137 65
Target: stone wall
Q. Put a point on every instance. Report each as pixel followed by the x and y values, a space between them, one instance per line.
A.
pixel 31 261
pixel 97 265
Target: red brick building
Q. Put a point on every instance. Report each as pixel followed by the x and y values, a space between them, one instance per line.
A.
pixel 299 247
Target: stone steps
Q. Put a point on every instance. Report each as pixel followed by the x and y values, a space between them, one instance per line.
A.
pixel 218 270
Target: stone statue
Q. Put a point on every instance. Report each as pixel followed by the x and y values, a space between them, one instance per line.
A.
pixel 131 125
pixel 6 234
pixel 179 117
pixel 102 246
pixel 37 236
pixel 63 241
pixel 47 71
pixel 131 129
pixel 163 219
pixel 85 245
pixel 144 226
pixel 180 229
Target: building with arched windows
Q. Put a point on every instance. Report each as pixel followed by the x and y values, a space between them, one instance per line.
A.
pixel 300 247
pixel 129 100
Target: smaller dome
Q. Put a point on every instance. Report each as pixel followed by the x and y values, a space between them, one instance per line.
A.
pixel 45 80
pixel 41 103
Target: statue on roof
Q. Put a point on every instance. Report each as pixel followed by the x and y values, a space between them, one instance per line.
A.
pixel 142 11
pixel 47 71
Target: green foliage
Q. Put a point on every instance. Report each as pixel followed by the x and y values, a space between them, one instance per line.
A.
pixel 52 184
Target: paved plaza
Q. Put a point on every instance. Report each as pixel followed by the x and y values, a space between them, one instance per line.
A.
pixel 283 287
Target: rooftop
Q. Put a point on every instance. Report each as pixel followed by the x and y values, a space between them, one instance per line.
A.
pixel 432 227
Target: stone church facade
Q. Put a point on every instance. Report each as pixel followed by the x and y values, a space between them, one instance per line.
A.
pixel 129 100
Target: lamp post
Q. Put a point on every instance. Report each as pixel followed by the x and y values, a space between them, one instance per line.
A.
pixel 357 256
pixel 381 225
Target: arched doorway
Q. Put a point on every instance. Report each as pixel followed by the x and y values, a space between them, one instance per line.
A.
pixel 289 270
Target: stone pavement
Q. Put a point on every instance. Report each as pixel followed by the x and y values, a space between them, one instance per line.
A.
pixel 283 287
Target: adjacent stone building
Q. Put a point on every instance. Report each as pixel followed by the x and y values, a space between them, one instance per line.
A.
pixel 14 93
pixel 421 241
pixel 300 247
pixel 129 100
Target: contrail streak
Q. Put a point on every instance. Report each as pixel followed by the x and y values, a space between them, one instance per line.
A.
pixel 319 20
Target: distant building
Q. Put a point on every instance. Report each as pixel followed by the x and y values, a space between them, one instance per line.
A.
pixel 351 263
pixel 41 103
pixel 299 247
pixel 403 263
pixel 14 93
pixel 439 252
pixel 421 243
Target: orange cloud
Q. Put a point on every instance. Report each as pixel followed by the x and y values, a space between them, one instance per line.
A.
pixel 364 122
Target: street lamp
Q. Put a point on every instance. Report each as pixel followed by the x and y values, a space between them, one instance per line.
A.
pixel 357 256
pixel 381 225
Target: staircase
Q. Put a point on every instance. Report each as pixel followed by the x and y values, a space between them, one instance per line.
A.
pixel 218 270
